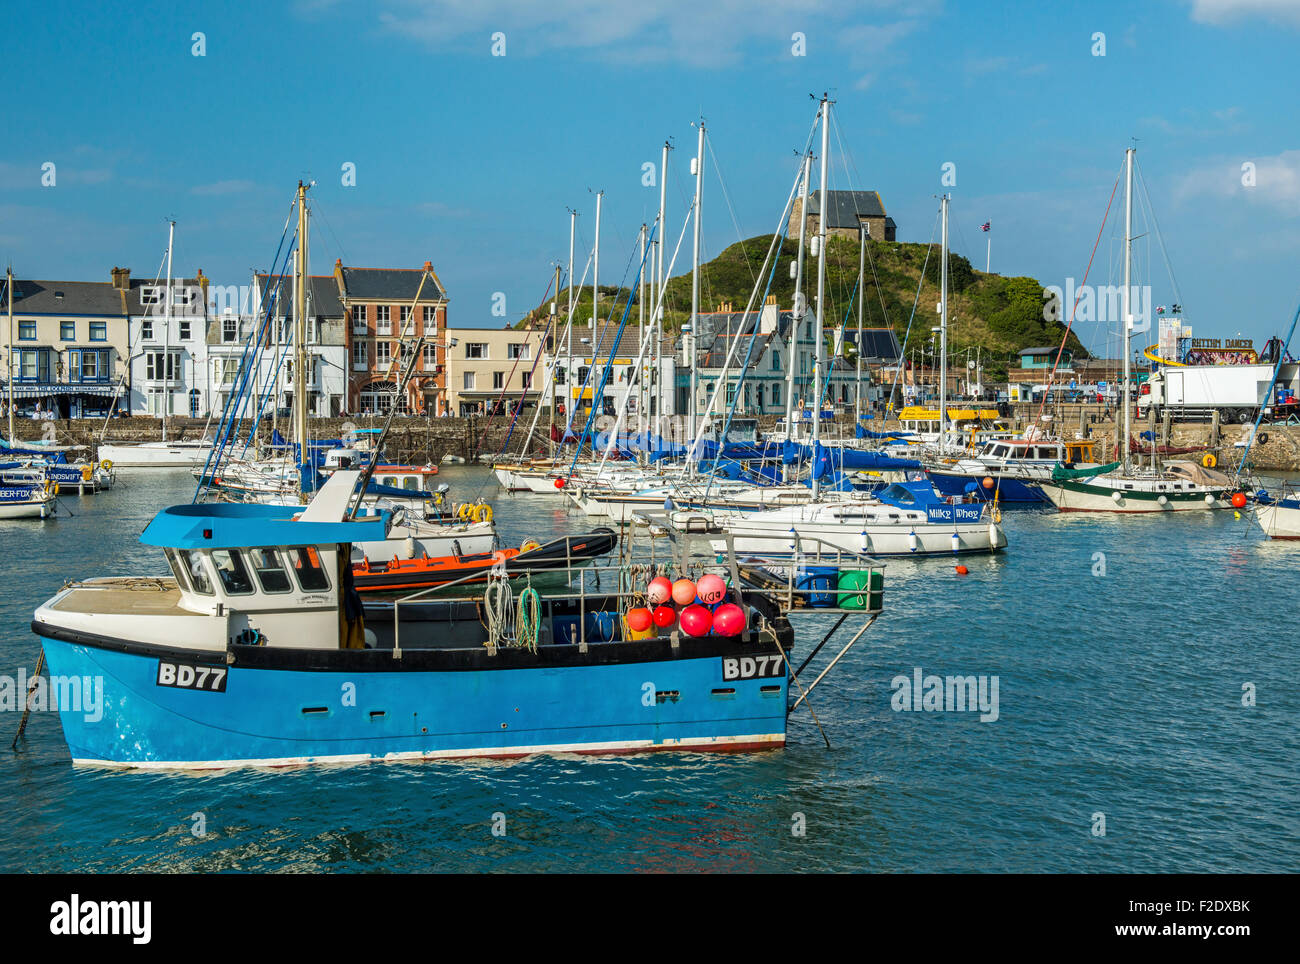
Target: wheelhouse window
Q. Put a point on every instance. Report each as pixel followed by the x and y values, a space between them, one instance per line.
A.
pixel 307 567
pixel 232 572
pixel 178 570
pixel 270 571
pixel 193 562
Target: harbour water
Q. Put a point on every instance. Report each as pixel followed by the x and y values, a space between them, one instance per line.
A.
pixel 1123 652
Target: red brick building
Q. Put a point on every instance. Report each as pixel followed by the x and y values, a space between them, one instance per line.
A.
pixel 389 311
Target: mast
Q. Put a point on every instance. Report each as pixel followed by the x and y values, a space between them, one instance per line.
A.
pixel 943 333
pixel 1128 295
pixel 595 310
pixel 862 298
pixel 797 310
pixel 541 349
pixel 640 372
pixel 568 350
pixel 167 333
pixel 695 284
pixel 9 354
pixel 300 337
pixel 821 291
pixel 658 319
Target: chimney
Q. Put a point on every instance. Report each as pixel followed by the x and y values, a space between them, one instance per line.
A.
pixel 203 284
pixel 122 279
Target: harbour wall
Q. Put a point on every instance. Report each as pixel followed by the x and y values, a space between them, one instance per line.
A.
pixel 420 440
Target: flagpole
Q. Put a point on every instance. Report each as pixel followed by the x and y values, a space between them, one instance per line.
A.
pixel 988 257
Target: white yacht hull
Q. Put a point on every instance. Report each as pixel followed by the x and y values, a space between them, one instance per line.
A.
pixel 1280 520
pixel 155 455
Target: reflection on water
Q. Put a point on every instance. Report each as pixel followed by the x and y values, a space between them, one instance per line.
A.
pixel 1120 693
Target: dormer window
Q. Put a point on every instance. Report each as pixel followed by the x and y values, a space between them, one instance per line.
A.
pixel 151 295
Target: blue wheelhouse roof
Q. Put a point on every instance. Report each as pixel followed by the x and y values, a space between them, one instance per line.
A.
pixel 230 525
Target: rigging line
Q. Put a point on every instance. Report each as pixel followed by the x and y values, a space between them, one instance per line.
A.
pixel 315 208
pixel 916 301
pixel 717 168
pixel 1073 308
pixel 1151 212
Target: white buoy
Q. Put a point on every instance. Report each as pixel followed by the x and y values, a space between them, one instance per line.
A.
pixel 993 535
pixel 1209 499
pixel 1162 500
pixel 1116 496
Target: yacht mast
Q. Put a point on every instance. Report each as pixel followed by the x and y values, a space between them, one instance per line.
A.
pixel 568 348
pixel 1128 304
pixel 658 319
pixel 797 310
pixel 167 334
pixel 595 317
pixel 300 337
pixel 943 333
pixel 821 291
pixel 9 355
pixel 695 289
pixel 862 297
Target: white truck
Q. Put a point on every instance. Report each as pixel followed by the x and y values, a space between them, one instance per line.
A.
pixel 1237 392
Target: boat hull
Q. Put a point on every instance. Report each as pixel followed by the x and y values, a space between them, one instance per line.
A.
pixel 1009 490
pixel 805 538
pixel 1075 496
pixel 614 698
pixel 155 455
pixel 1281 519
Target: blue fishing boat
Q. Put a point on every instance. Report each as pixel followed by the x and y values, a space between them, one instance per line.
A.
pixel 26 494
pixel 258 651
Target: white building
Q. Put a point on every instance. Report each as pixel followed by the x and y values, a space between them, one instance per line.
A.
pixel 168 357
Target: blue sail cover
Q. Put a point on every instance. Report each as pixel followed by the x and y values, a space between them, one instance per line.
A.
pixel 829 459
pixel 54 458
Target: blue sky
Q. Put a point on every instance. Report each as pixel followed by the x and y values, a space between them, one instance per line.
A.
pixel 470 160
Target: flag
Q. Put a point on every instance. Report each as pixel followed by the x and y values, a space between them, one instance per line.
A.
pixel 986 225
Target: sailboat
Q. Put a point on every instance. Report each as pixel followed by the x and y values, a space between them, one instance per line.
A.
pixel 163 453
pixel 1124 487
pixel 906 518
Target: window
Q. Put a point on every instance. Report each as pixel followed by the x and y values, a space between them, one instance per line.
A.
pixel 360 355
pixel 358 319
pixel 153 365
pixel 559 374
pixel 473 349
pixel 776 394
pixel 270 571
pixel 229 328
pixel 146 329
pixel 582 374
pixel 151 295
pixel 307 567
pixel 198 574
pixel 178 570
pixel 383 353
pixel 68 330
pixel 430 356
pixel 383 320
pixel 185 331
pixel 528 379
pixel 430 315
pixel 194 403
pixel 776 360
pixel 99 331
pixel 517 351
pixel 27 330
pixel 94 366
pixel 406 314
pixel 468 384
pixel 182 295
pixel 227 371
pixel 498 379
pixel 230 569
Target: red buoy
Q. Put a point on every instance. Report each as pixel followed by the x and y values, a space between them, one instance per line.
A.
pixel 664 616
pixel 696 620
pixel 559 483
pixel 729 620
pixel 962 570
pixel 1239 500
pixel 639 619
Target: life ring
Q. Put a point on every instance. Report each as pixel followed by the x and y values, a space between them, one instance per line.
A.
pixel 56 488
pixel 529 545
pixel 482 513
pixel 87 473
pixel 1208 460
pixel 106 465
pixel 464 511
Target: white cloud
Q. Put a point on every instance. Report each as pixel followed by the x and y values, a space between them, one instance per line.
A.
pixel 223 187
pixel 1219 12
pixel 1276 181
pixel 682 31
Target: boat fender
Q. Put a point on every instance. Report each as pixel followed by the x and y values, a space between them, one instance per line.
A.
pixel 1116 496
pixel 1262 438
pixel 1163 500
pixel 1209 498
pixel 1208 460
pixel 529 545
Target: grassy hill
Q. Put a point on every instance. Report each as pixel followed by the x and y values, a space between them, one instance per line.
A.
pixel 1000 315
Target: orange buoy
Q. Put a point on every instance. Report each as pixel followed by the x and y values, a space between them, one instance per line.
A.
pixel 1239 500
pixel 988 482
pixel 962 570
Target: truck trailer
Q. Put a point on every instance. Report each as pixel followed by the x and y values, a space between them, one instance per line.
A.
pixel 1236 392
